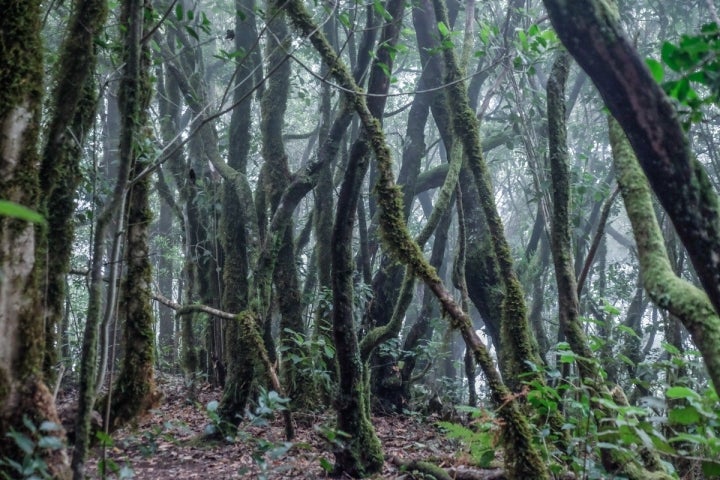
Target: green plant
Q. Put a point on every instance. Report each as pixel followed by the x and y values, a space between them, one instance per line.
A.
pixel 217 425
pixel 479 438
pixel 694 62
pixel 316 360
pixel 32 444
pixel 108 465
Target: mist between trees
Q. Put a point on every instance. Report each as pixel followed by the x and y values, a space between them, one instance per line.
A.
pixel 499 217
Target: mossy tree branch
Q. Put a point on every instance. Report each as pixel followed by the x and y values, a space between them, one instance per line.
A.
pixel 682 299
pixel 522 457
pixel 591 31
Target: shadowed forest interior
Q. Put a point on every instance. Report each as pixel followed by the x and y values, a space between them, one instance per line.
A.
pixel 425 239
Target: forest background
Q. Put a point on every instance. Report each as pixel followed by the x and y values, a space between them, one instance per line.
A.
pixel 357 206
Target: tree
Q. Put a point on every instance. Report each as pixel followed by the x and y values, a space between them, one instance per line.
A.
pixel 23 393
pixel 134 391
pixel 591 32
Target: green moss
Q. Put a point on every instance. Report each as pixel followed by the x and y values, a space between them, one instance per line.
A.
pixel 690 304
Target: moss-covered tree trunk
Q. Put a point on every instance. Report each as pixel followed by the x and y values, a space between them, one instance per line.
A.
pixel 521 457
pixel 239 352
pixel 568 305
pixel 387 281
pixel 73 108
pixel 298 384
pixel 134 391
pixel 518 345
pixel 22 390
pixel 560 235
pixel 591 31
pixel 362 452
pixel 687 302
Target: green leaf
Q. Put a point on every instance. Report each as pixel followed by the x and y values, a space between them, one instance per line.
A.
pixel 179 14
pixel 670 348
pixel 628 331
pixel 126 472
pixel 681 392
pixel 15 210
pixel 710 468
pixel 23 442
pixel 444 31
pixel 345 20
pixel 380 9
pixel 104 438
pixel 610 309
pixel 192 32
pixel 684 416
pixel 656 69
pixel 48 426
pixel 326 465
pixel 669 54
pixel 50 443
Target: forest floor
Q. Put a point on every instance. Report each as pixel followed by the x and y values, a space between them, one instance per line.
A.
pixel 170 443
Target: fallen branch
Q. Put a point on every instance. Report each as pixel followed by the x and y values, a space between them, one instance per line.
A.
pixel 430 470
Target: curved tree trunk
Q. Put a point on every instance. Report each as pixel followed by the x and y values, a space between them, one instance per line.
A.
pixel 683 300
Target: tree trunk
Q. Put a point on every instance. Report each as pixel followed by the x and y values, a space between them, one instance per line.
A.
pixel 134 392
pixel 297 382
pixel 690 304
pixel 561 238
pixel 74 104
pixel 234 219
pixel 23 393
pixel 590 29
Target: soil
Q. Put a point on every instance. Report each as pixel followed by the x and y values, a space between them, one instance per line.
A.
pixel 171 442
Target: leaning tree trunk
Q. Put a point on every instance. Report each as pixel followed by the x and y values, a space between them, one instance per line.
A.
pixel 682 299
pixel 618 462
pixel 23 393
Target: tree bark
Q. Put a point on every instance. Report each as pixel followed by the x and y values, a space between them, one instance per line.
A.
pixel 561 237
pixel 240 363
pixel 687 302
pixel 22 390
pixel 134 392
pixel 73 108
pixel 590 30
